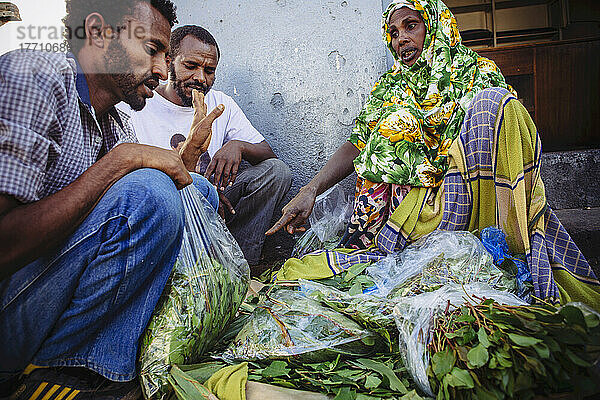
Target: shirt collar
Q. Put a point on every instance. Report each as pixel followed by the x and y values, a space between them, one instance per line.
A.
pixel 84 91
pixel 81 83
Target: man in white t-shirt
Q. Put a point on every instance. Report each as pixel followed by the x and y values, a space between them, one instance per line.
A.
pixel 248 196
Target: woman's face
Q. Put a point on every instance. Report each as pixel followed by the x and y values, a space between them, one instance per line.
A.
pixel 407 30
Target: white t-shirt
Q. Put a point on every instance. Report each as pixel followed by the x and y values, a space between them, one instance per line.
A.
pixel 160 121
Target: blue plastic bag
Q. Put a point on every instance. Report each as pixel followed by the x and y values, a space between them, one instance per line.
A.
pixel 494 240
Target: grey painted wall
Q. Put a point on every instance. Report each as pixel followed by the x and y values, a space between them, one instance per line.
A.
pixel 300 70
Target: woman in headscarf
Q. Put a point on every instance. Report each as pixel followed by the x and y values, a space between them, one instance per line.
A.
pixel 442 142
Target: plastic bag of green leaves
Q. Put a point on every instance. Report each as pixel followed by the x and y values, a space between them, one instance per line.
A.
pixel 208 283
pixel 415 317
pixel 288 324
pixel 440 258
pixel 474 342
pixel 328 221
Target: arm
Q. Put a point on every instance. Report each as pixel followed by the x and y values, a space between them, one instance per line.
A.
pixel 295 213
pixel 226 161
pixel 29 230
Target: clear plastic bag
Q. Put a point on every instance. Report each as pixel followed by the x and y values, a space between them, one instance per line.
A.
pixel 289 324
pixel 415 317
pixel 435 260
pixel 371 311
pixel 328 221
pixel 208 283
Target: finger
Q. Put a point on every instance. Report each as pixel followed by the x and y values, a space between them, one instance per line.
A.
pixel 198 100
pixel 182 179
pixel 206 144
pixel 221 211
pixel 234 171
pixel 226 175
pixel 214 114
pixel 285 218
pixel 218 174
pixel 210 170
pixel 295 225
pixel 227 204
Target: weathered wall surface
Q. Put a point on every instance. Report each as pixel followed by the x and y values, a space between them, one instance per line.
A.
pixel 300 70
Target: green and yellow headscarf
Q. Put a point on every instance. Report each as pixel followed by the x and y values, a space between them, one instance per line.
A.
pixel 414 113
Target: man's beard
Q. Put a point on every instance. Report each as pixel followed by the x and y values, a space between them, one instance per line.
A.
pixel 118 64
pixel 180 87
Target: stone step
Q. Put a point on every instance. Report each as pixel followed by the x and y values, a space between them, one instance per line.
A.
pixel 572 179
pixel 584 227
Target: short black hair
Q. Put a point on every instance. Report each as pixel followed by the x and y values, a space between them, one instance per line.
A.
pixel 112 11
pixel 197 31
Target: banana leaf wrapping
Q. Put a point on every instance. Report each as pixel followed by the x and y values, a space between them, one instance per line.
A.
pixel 208 283
pixel 288 324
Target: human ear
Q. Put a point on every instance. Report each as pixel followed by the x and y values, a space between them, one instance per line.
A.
pixel 94 27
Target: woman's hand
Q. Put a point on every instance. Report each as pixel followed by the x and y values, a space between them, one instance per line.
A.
pixel 296 212
pixel 299 208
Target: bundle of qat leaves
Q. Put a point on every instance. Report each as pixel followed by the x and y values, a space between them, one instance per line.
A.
pixel 208 283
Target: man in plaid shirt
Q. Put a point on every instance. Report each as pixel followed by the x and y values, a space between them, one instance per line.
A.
pixel 90 221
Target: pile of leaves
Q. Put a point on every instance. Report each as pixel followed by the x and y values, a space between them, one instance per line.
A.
pixel 288 324
pixel 379 377
pixel 493 351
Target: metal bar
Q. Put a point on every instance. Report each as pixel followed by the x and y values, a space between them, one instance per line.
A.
pixel 494 33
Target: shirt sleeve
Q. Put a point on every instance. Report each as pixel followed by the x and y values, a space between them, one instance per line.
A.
pixel 30 89
pixel 238 126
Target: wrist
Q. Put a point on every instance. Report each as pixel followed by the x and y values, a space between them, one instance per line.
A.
pixel 310 188
pixel 124 157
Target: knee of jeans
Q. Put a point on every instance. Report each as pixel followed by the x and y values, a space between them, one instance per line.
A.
pixel 281 172
pixel 207 189
pixel 154 191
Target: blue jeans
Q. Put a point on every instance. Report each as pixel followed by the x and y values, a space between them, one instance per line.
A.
pixel 88 304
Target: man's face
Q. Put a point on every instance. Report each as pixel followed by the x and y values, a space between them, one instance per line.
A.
pixel 193 67
pixel 135 58
pixel 407 31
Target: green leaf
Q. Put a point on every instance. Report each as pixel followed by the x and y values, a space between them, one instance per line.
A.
pixel 187 388
pixel 355 289
pixel 345 393
pixel 542 350
pixel 387 372
pixel 442 362
pixel 460 379
pixel 575 359
pixel 484 394
pixel 412 395
pixel 372 382
pixel 275 369
pixel 573 315
pixel 355 270
pixel 524 341
pixel 483 337
pixel 478 356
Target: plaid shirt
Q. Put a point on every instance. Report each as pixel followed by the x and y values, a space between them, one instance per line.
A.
pixel 49 134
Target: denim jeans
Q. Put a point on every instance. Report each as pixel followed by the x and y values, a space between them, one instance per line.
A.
pixel 87 304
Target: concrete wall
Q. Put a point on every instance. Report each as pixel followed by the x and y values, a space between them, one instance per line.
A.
pixel 300 70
